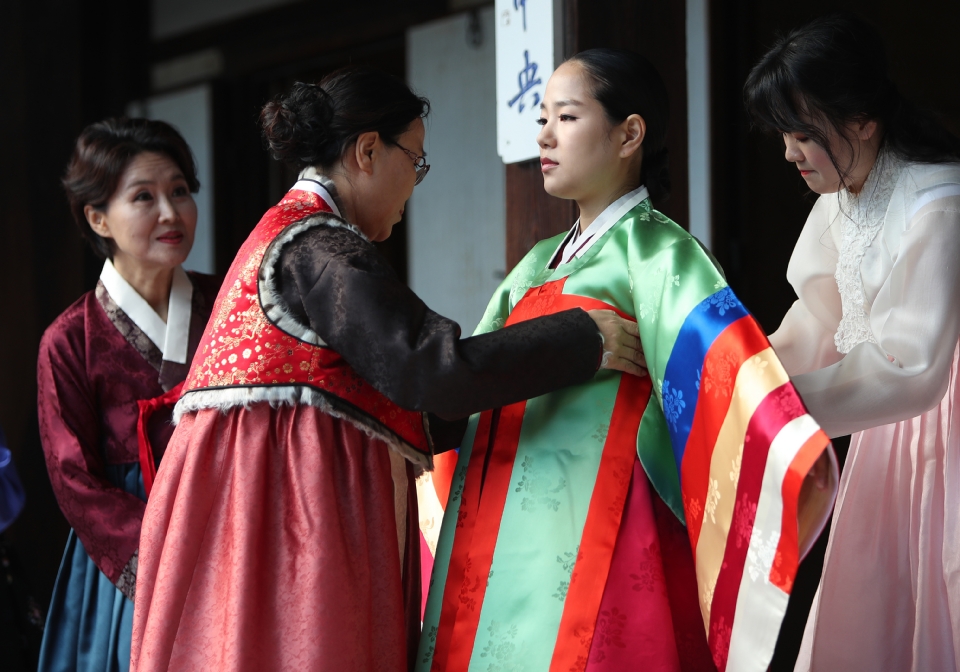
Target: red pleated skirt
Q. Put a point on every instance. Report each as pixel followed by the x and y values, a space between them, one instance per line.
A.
pixel 270 542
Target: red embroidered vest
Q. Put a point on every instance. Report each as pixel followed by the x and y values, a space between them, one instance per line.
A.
pixel 241 347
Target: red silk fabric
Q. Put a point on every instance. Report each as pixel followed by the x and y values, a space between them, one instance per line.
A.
pixel 778 408
pixel 581 610
pixel 148 462
pixel 482 509
pixel 270 543
pixel 444 465
pixel 613 618
pixel 650 617
pixel 738 343
pixel 241 347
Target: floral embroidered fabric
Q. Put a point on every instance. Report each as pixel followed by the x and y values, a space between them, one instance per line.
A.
pixel 871 345
pixel 861 218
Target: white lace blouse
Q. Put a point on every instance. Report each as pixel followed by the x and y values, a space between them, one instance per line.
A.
pixel 872 336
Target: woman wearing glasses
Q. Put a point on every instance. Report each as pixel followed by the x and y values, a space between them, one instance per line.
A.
pixel 282 531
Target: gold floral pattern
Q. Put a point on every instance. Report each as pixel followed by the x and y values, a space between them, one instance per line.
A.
pixel 735 465
pixel 241 347
pixel 713 499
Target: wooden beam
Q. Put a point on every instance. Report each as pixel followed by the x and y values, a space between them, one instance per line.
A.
pixel 299 35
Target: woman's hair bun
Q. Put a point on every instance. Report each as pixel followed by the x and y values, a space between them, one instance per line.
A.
pixel 296 126
pixel 314 124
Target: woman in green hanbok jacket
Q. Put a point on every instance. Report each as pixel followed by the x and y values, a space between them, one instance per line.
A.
pixel 566 543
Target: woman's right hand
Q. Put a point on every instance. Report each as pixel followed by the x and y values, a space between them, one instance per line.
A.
pixel 622 350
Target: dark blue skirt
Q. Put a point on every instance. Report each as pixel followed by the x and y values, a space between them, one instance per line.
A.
pixel 90 622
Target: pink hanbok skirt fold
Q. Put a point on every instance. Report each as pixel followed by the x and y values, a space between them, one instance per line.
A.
pixel 649 615
pixel 889 597
pixel 270 542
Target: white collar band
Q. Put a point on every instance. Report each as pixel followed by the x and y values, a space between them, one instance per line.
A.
pixel 172 337
pixel 576 244
pixel 310 180
pixel 179 312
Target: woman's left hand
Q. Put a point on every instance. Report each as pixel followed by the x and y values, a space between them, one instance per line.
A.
pixel 820 473
pixel 622 350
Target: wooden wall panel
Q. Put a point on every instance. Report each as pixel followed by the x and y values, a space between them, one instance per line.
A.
pixel 532 213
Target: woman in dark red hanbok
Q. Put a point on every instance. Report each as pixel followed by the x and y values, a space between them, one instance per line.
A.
pixel 130 185
pixel 282 533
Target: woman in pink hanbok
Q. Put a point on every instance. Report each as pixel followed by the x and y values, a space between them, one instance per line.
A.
pixel 871 343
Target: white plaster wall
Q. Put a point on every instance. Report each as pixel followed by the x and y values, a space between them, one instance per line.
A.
pixel 173 17
pixel 457 215
pixel 189 111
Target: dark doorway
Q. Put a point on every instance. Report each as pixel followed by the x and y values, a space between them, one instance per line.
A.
pixel 247 180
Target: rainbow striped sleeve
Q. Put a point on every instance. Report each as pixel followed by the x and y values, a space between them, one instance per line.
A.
pixel 740 444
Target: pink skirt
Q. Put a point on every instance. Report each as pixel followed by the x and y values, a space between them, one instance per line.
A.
pixel 270 542
pixel 889 597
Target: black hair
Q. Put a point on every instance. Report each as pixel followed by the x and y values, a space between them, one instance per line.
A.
pixel 626 83
pixel 101 155
pixel 314 124
pixel 833 71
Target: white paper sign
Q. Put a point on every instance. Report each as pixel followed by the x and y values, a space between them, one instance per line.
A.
pixel 525 61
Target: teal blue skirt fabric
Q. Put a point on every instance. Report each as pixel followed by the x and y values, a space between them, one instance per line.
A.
pixel 90 622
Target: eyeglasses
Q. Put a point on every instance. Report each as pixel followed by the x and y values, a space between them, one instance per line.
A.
pixel 419 162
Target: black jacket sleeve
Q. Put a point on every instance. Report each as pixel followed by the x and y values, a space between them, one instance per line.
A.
pixel 341 286
pixel 446 434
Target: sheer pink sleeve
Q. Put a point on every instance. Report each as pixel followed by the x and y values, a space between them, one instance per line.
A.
pixel 916 320
pixel 804 341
